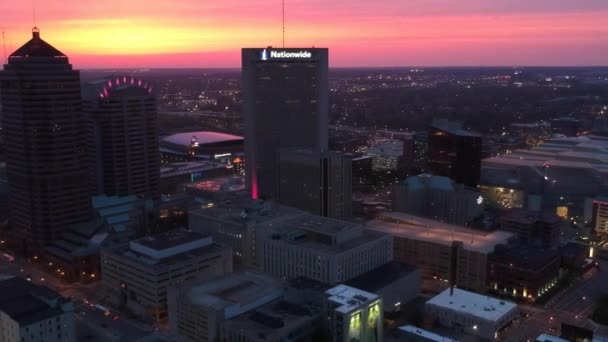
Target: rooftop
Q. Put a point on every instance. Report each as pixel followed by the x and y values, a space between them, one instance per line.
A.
pixel 201 138
pixel 452 127
pixel 36 47
pixel 234 293
pixel 349 298
pixel 525 257
pixel 27 303
pixel 470 303
pixel 168 240
pixel 219 184
pixel 429 181
pixel 419 228
pixel 425 334
pixel 382 276
pixel 549 338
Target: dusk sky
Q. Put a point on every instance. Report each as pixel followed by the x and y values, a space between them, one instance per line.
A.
pixel 206 33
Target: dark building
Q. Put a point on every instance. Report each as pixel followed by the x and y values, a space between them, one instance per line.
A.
pixel 45 143
pixel 454 152
pixel 532 227
pixel 285 105
pixel 569 127
pixel 523 271
pixel 124 137
pixel 317 182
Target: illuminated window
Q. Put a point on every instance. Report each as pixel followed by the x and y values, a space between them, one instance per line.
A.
pixel 562 211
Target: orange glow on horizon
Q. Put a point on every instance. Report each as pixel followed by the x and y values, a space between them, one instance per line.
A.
pixel 188 33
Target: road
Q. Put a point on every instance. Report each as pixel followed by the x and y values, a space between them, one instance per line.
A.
pixel 92 324
pixel 573 306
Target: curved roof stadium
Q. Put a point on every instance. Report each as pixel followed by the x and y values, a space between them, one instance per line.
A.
pixel 103 88
pixel 202 138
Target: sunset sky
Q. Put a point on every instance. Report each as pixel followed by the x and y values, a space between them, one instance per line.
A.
pixel 210 33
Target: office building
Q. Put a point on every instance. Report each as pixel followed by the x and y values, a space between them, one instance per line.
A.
pixel 322 249
pixel 599 214
pixel 445 253
pixel 201 146
pixel 557 176
pixel 44 135
pixel 236 220
pixel 317 182
pixel 31 313
pixel 353 314
pixel 123 136
pixel 454 152
pixel 437 197
pixel 388 155
pixel 197 308
pixel 138 274
pixel 523 272
pixel 469 312
pixel 396 283
pixel 285 105
pixel 533 227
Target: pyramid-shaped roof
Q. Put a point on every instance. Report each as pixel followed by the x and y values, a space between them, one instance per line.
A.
pixel 36 47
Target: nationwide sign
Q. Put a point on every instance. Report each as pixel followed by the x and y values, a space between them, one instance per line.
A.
pixel 273 54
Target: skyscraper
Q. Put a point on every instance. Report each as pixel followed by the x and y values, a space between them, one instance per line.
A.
pixel 454 152
pixel 318 182
pixel 285 105
pixel 45 142
pixel 125 159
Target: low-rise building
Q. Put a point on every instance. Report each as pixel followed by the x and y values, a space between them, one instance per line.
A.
pixel 443 252
pixel 396 283
pixel 470 312
pixel 138 274
pixel 522 271
pixel 320 248
pixel 197 309
pixel 31 313
pixel 412 333
pixel 353 314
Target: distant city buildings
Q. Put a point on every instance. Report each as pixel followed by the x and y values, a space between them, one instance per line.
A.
pixel 285 105
pixel 124 137
pixel 454 152
pixel 472 313
pixel 388 155
pixel 138 274
pixel 445 253
pixel 31 313
pixel 557 176
pixel 317 182
pixel 437 197
pixel 176 178
pixel 45 144
pixel 569 127
pixel 599 214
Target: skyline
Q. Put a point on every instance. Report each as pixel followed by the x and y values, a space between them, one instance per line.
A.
pixel 119 34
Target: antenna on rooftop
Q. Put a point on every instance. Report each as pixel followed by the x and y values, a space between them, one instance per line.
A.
pixel 34 12
pixel 4 45
pixel 283 3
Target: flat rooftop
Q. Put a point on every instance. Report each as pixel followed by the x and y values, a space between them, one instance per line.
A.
pixel 423 229
pixel 349 298
pixel 179 169
pixel 470 303
pixel 237 292
pixel 527 217
pixel 525 257
pixel 219 184
pixel 27 303
pixel 431 336
pixel 202 137
pixel 164 241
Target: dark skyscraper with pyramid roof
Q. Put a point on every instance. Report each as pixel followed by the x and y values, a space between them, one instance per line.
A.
pixel 45 143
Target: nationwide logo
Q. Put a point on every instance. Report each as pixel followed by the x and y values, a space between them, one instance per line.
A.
pixel 265 55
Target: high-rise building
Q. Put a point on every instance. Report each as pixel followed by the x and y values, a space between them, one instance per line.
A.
pixel 45 143
pixel 125 159
pixel 317 182
pixel 454 152
pixel 285 105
